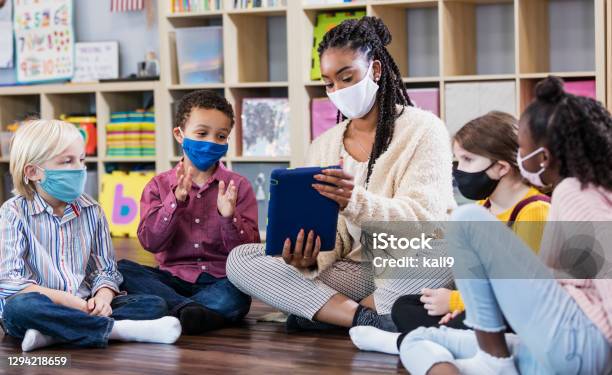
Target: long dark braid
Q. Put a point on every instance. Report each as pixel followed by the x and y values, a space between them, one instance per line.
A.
pixel 370 36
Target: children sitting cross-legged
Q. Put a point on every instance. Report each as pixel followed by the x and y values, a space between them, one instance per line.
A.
pixel 559 305
pixel 486 170
pixel 58 277
pixel 191 218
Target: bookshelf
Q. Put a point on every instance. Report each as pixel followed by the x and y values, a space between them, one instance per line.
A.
pixel 52 100
pixel 479 45
pixel 248 35
pixel 488 46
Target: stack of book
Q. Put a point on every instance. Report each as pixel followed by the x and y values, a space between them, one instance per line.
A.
pixel 131 134
pixel 194 6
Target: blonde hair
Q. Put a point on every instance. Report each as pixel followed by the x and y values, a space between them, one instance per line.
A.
pixel 36 142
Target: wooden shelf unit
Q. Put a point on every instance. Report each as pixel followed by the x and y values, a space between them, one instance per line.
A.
pixel 436 43
pixel 52 100
pixel 466 48
pixel 245 39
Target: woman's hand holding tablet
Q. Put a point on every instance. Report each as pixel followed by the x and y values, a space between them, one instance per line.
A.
pixel 303 255
pixel 341 187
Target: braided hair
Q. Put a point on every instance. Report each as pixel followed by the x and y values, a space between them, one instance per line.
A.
pixel 577 131
pixel 370 36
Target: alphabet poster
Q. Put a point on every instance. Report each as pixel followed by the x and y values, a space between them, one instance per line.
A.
pixel 120 200
pixel 44 40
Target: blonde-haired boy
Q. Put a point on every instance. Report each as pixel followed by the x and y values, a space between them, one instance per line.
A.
pixel 58 276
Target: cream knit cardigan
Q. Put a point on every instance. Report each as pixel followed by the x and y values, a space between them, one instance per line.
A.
pixel 410 181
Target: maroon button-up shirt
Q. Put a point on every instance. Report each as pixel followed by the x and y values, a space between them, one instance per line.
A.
pixel 192 237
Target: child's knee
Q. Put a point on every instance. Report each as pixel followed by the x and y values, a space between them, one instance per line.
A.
pixel 421 333
pixel 157 306
pixel 127 266
pixel 23 304
pixel 236 304
pixel 239 309
pixel 426 334
pixel 419 356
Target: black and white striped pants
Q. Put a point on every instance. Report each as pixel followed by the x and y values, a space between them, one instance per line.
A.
pixel 282 286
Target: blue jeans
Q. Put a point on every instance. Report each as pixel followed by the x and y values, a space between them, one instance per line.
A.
pixel 36 311
pixel 216 294
pixel 553 335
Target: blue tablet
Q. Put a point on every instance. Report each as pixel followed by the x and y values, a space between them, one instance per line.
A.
pixel 294 205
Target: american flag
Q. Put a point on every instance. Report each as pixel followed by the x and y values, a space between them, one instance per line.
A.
pixel 126 5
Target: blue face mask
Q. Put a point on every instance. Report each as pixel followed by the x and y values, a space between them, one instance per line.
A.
pixel 65 185
pixel 203 154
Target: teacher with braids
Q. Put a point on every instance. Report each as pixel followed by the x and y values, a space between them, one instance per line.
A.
pixel 397 166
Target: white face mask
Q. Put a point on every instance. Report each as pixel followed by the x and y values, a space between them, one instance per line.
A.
pixel 534 178
pixel 357 100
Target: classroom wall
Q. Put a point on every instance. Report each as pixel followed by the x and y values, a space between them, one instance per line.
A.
pixel 93 21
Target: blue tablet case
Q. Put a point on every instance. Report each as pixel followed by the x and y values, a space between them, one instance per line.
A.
pixel 294 205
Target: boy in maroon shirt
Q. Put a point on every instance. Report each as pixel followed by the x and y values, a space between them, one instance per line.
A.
pixel 192 217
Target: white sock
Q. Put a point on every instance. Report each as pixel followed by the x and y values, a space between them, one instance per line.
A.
pixel 165 330
pixel 372 339
pixel 484 363
pixel 419 356
pixel 33 340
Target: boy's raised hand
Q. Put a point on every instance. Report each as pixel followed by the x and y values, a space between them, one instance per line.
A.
pixel 226 199
pixel 183 182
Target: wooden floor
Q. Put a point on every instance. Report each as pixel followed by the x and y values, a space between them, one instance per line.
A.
pixel 254 348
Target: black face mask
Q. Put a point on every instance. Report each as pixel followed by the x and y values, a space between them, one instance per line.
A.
pixel 476 185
